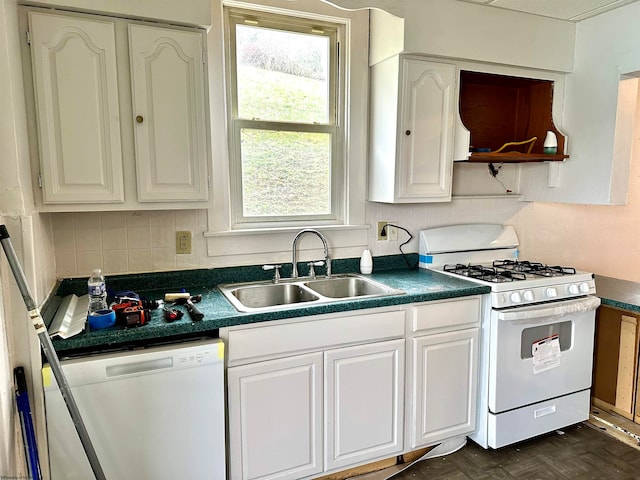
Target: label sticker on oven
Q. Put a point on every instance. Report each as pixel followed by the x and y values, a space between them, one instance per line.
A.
pixel 546 354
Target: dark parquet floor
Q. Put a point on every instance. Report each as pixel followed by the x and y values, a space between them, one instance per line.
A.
pixel 582 452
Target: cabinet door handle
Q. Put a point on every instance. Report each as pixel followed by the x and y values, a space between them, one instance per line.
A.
pixel 408 132
pixel 139 118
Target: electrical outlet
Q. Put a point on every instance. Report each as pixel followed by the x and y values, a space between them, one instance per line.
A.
pixel 392 233
pixel 382 237
pixel 183 243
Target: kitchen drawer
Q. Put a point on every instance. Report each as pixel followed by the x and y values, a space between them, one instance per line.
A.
pixel 312 334
pixel 446 315
pixel 532 420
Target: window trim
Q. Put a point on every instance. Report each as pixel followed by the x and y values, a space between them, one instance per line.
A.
pixel 243 246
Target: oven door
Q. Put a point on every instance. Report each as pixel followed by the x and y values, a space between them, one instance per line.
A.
pixel 540 352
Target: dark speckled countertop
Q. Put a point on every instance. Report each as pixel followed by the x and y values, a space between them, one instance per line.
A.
pixel 417 285
pixel 618 293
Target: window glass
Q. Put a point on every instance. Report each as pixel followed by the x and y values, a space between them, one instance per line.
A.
pixel 277 180
pixel 282 75
pixel 286 161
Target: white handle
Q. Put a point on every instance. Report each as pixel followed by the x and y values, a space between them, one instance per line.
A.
pixel 551 309
pixel 543 412
pixel 138 367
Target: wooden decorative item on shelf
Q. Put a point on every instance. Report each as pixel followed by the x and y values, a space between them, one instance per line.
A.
pixel 525 143
pixel 498 108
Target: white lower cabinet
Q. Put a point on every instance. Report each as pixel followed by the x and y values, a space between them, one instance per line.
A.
pixel 443 364
pixel 444 386
pixel 315 395
pixel 308 397
pixel 275 418
pixel 364 402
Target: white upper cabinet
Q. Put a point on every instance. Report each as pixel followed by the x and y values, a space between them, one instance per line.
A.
pixel 74 69
pixel 413 110
pixel 120 108
pixel 167 82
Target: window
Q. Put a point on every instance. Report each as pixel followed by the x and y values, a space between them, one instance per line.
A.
pixel 285 136
pixel 235 238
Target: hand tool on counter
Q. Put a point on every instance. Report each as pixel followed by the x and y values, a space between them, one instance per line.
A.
pixel 188 301
pixel 172 314
pixel 172 297
pixel 50 353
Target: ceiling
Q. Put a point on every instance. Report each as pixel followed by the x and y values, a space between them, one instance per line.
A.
pixel 572 10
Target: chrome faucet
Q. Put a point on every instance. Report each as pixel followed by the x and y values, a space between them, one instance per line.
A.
pixel 294 260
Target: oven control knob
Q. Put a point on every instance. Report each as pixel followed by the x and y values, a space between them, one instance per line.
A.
pixel 528 296
pixel 552 292
pixel 574 289
pixel 584 287
pixel 515 297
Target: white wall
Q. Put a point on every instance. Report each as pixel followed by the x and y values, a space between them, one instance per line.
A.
pixel 597 238
pixel 188 12
pixel 606 49
pixel 463 30
pixel 32 241
pixel 468 31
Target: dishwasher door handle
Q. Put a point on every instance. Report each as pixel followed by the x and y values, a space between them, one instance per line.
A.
pixel 119 370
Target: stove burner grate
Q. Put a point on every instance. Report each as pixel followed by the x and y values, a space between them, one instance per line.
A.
pixel 534 268
pixel 487 274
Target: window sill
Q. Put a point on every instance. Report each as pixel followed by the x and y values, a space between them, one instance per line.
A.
pixel 271 245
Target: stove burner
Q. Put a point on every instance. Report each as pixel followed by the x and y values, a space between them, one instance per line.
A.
pixel 487 274
pixel 534 268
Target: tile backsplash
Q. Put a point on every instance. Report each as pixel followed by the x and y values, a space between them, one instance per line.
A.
pixel 144 241
pixel 125 242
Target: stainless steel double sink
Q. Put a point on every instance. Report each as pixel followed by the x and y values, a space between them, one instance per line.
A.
pixel 287 293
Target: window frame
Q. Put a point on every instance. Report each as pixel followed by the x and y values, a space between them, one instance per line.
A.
pixel 335 127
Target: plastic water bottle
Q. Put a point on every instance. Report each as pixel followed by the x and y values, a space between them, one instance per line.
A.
pixel 97 292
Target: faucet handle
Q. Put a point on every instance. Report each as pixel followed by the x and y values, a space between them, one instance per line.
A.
pixel 312 272
pixel 276 275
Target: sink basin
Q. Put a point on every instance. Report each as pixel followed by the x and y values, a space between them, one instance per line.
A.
pixel 268 296
pixel 348 287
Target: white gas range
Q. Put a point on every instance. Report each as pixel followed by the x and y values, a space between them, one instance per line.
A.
pixel 536 342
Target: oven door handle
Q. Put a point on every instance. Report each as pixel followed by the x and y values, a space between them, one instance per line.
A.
pixel 580 305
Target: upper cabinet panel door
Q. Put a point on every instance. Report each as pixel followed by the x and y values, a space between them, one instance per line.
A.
pixel 168 88
pixel 427 115
pixel 76 92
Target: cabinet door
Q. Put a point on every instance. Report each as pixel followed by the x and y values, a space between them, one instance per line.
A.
pixel 275 418
pixel 168 85
pixel 76 93
pixel 444 386
pixel 425 149
pixel 364 400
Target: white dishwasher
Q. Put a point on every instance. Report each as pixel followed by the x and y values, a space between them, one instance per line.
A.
pixel 155 413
